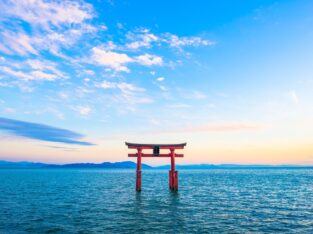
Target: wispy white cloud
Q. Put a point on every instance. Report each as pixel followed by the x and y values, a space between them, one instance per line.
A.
pixel 113 60
pixel 16 43
pixel 129 93
pixel 46 29
pixel 179 42
pixel 126 87
pixel 163 88
pixel 34 75
pixel 142 38
pixel 149 60
pixel 118 61
pixel 45 65
pixel 40 75
pixel 83 110
pixel 53 24
pixel 123 86
pixel 89 72
pixel 19 74
pixel 161 78
pixel 294 97
pixel 32 70
pixel 48 14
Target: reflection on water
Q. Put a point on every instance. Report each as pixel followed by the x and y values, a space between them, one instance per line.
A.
pixel 97 201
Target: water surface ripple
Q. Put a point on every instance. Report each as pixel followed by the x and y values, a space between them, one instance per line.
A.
pixel 104 201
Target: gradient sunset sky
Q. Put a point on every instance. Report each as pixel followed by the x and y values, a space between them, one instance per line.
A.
pixel 233 79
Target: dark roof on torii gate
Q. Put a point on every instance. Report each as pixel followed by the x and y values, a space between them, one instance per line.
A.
pixel 153 145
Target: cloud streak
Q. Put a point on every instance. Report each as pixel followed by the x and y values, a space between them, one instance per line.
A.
pixel 223 127
pixel 41 132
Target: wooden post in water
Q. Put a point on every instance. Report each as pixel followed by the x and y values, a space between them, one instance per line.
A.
pixel 138 172
pixel 173 179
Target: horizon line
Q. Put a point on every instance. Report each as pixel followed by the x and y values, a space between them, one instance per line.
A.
pixel 191 164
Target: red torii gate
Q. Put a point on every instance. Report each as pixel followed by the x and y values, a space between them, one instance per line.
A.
pixel 173 174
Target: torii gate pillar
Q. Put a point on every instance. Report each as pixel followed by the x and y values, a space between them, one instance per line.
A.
pixel 138 171
pixel 173 174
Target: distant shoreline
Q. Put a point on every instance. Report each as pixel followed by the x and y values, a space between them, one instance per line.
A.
pixel 132 165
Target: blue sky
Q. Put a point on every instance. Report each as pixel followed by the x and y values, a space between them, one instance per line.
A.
pixel 233 79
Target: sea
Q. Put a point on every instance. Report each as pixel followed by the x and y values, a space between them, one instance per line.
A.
pixel 105 201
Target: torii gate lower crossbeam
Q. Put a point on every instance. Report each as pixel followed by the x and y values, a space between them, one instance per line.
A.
pixel 173 174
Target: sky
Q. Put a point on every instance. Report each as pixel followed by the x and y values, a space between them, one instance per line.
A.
pixel 233 79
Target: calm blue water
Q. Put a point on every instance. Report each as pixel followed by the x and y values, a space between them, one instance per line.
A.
pixel 100 201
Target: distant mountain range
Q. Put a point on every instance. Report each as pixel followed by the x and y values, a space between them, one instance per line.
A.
pixel 132 165
pixel 104 165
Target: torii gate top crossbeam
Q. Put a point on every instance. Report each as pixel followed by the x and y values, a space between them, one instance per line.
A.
pixel 151 146
pixel 157 147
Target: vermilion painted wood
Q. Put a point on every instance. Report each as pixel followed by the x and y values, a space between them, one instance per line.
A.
pixel 173 174
pixel 138 173
pixel 151 147
pixel 173 179
pixel 153 156
pixel 172 154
